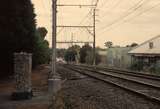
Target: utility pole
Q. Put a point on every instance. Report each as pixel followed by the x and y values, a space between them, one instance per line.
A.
pixel 54 82
pixel 94 37
pixel 54 31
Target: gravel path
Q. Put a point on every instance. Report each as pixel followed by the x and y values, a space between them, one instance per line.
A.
pixel 82 92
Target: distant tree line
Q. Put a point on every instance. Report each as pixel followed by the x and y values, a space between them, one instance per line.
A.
pixel 109 44
pixel 18 33
pixel 82 54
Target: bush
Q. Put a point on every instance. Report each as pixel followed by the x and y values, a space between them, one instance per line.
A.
pixel 138 66
pixel 41 53
pixel 17 31
pixel 18 34
pixel 89 58
pixel 71 53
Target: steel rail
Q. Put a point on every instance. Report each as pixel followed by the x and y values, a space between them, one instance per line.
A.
pixel 131 73
pixel 83 71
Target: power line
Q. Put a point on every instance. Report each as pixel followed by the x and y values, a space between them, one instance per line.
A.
pixel 60 31
pixel 97 1
pixel 90 12
pixel 119 1
pixel 126 15
pixel 131 8
pixel 139 14
pixel 158 4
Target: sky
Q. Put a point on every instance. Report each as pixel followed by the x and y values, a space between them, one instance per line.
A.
pixel 120 21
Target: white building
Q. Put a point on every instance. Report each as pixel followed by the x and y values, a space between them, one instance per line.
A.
pixel 147 54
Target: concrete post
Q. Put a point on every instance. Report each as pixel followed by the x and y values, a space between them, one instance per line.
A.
pixel 22 70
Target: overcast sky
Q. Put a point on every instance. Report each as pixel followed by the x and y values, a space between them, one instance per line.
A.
pixel 120 21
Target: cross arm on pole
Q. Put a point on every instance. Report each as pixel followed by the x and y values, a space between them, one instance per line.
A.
pixel 77 26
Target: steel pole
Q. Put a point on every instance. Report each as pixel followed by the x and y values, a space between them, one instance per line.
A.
pixel 54 82
pixel 54 32
pixel 94 38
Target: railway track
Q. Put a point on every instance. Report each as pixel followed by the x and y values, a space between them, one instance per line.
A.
pixel 134 76
pixel 126 72
pixel 134 84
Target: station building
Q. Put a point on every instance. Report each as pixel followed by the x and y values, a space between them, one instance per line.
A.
pixel 146 56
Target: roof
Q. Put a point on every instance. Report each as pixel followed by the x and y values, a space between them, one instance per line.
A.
pixel 147 47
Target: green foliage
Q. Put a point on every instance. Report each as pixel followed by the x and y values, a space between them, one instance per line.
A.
pixel 18 34
pixel 42 32
pixel 61 53
pixel 98 58
pixel 17 30
pixel 89 58
pixel 71 53
pixel 108 44
pixel 70 56
pixel 86 55
pixel 134 44
pixel 41 53
pixel 86 49
pixel 138 66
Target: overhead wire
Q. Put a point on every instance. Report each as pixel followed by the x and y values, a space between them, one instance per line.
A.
pixel 142 12
pixel 60 30
pixel 113 7
pixel 131 8
pixel 89 14
pixel 125 15
pixel 139 14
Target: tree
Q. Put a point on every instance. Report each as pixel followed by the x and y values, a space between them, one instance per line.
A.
pixel 89 58
pixel 17 30
pixel 42 52
pixel 84 51
pixel 71 53
pixel 108 44
pixel 70 56
pixel 61 53
pixel 134 44
pixel 42 31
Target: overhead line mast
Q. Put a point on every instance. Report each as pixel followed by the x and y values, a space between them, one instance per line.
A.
pixel 78 26
pixel 74 26
pixel 79 5
pixel 54 36
pixel 94 37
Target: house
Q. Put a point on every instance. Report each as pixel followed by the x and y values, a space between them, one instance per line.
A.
pixel 118 57
pixel 147 55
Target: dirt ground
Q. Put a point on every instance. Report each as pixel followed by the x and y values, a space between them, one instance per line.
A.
pixel 40 100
